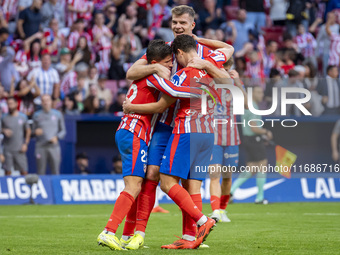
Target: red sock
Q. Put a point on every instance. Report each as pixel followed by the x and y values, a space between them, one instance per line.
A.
pixel 224 201
pixel 146 201
pixel 189 225
pixel 182 198
pixel 120 210
pixel 215 202
pixel 130 221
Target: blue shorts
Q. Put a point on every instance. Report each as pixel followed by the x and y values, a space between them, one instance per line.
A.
pixel 188 155
pixel 134 153
pixel 225 155
pixel 158 143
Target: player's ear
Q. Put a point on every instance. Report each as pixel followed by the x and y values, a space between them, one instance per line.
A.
pixel 153 62
pixel 193 25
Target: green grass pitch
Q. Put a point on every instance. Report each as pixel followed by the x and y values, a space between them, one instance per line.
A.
pixel 282 228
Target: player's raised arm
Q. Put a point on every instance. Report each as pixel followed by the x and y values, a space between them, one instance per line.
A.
pixel 140 69
pixel 168 88
pixel 158 107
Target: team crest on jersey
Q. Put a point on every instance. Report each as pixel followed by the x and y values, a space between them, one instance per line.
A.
pixel 220 109
pixel 178 80
pixel 190 112
pixel 144 168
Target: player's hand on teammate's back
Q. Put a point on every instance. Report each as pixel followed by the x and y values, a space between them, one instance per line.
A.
pixel 198 63
pixel 38 132
pixel 7 132
pixel 162 71
pixel 126 106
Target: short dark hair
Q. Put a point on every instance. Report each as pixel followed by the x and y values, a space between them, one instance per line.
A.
pixel 293 73
pixel 330 67
pixel 229 63
pixel 157 50
pixel 274 72
pixel 183 42
pixel 183 9
pixel 4 30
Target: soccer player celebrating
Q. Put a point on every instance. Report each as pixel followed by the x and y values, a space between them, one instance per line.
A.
pixel 182 23
pixel 190 144
pixel 225 152
pixel 133 136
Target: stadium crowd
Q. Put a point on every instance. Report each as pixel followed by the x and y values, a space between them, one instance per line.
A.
pixel 78 51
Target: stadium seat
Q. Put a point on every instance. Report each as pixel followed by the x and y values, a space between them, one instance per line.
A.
pixel 274 33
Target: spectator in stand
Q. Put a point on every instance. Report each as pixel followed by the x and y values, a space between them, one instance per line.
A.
pixel 306 44
pixel 52 10
pixel 80 86
pixel 49 128
pixel 17 134
pixel 25 93
pixel 240 29
pixel 294 81
pixel 70 79
pixel 101 41
pixel 29 58
pixel 3 101
pixel 91 105
pixel 296 15
pixel 275 81
pixel 138 19
pixel 47 79
pixel 67 63
pixel 158 20
pixel 278 11
pixel 334 53
pixel 70 106
pixel 211 17
pixel 103 92
pixel 3 35
pixel 92 78
pixel 269 56
pixel 53 40
pixel 8 71
pixel 79 9
pixel 240 66
pixel 329 89
pixel 84 50
pixel 118 58
pixel 117 107
pixel 324 40
pixel 111 18
pixel 30 20
pixel 78 30
pixel 82 164
pixel 255 13
pixel 310 82
pixel 255 71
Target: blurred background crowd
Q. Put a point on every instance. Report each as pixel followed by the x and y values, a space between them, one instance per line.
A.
pixel 78 51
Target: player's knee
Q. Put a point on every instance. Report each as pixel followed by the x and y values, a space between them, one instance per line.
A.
pixel 153 173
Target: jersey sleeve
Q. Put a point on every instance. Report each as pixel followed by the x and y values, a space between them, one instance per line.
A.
pixel 168 88
pixel 216 57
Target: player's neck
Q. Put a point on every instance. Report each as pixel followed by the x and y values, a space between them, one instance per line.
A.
pixel 191 55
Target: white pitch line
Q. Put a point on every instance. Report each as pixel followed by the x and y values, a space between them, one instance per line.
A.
pixel 322 214
pixel 55 216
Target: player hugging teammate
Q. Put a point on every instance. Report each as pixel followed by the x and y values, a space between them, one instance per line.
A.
pixel 182 138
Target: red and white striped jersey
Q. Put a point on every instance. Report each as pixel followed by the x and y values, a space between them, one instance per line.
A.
pixel 334 53
pixel 225 133
pixel 189 117
pixel 50 36
pixel 146 91
pixel 22 57
pixel 9 9
pixel 307 44
pixel 168 116
pixel 255 73
pixel 104 42
pixel 69 81
pixel 74 37
pixel 79 5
